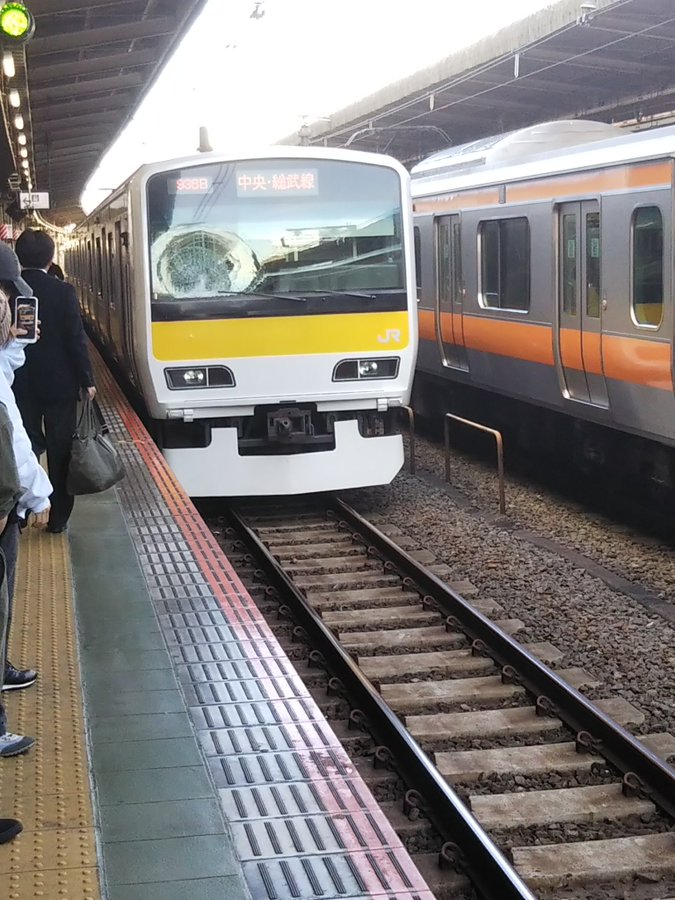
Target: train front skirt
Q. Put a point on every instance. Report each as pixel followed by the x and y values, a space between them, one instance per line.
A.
pixel 219 470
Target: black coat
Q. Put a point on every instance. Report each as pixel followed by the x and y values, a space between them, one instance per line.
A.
pixel 58 365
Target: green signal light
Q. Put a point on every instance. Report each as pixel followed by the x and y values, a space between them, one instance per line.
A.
pixel 16 23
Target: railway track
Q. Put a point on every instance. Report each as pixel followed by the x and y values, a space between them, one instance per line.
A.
pixel 508 772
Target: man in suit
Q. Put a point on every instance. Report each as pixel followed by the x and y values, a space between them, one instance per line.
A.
pixel 56 370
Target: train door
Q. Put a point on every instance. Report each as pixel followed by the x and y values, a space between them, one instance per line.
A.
pixel 450 293
pixel 580 302
pixel 127 300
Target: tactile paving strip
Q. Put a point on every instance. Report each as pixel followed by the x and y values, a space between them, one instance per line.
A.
pixel 48 788
pixel 304 822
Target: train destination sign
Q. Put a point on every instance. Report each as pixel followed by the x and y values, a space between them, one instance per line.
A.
pixel 277 182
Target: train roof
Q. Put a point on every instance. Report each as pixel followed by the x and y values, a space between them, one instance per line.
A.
pixel 275 151
pixel 540 150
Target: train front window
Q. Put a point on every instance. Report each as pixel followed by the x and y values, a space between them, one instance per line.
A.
pixel 257 236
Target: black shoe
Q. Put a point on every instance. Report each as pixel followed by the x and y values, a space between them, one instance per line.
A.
pixel 56 529
pixel 9 828
pixel 15 679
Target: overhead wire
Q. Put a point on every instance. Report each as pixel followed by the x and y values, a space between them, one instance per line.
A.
pixel 487 67
pixel 545 68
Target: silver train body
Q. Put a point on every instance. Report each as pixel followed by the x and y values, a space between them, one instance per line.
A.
pixel 263 307
pixel 545 268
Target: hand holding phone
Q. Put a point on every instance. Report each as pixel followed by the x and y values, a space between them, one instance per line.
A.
pixel 26 319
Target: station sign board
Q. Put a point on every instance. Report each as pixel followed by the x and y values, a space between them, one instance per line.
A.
pixel 34 199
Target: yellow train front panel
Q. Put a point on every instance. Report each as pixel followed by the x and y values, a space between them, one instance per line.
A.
pixel 227 339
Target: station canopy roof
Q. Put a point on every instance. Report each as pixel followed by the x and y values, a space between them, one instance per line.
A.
pixel 608 60
pixel 88 67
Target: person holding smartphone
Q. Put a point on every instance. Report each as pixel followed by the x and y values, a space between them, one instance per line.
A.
pixel 10 491
pixel 35 484
pixel 34 488
pixel 25 317
pixel 56 371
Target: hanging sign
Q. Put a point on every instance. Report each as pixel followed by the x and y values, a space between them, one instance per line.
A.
pixel 34 199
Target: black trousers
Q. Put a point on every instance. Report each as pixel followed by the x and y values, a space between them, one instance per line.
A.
pixel 50 427
pixel 9 556
pixel 4 604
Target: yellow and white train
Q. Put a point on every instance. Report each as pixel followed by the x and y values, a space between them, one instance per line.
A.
pixel 263 306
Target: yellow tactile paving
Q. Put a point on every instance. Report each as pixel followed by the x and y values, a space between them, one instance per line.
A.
pixel 48 788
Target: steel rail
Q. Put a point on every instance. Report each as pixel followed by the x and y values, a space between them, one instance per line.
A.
pixel 643 771
pixel 492 875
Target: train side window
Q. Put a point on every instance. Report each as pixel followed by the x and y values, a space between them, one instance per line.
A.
pixel 647 276
pixel 111 269
pixel 90 272
pixel 593 249
pixel 105 267
pixel 418 258
pixel 99 268
pixel 569 264
pixel 505 264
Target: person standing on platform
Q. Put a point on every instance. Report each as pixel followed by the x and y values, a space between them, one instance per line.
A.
pixel 35 485
pixel 56 370
pixel 9 487
pixel 11 495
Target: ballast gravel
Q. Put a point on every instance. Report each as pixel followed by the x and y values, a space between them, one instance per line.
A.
pixel 615 638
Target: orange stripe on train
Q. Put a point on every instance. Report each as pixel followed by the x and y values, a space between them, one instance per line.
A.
pixel 570 349
pixel 558 187
pixel 591 348
pixel 505 338
pixel 636 360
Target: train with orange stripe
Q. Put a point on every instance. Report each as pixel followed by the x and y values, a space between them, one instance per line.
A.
pixel 262 307
pixel 545 288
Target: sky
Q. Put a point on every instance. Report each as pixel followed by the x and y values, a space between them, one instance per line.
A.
pixel 253 81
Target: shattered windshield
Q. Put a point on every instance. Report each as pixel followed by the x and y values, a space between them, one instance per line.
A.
pixel 229 238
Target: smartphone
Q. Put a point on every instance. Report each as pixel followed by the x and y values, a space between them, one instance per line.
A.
pixel 26 318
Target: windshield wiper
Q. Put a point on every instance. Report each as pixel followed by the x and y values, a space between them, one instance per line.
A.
pixel 263 294
pixel 328 292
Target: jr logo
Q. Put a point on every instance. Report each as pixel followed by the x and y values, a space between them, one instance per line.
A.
pixel 392 334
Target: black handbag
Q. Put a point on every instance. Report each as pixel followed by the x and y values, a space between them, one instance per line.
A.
pixel 95 464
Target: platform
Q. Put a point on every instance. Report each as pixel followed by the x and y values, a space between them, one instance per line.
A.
pixel 179 755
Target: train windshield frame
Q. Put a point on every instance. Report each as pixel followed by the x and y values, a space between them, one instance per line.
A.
pixel 275 237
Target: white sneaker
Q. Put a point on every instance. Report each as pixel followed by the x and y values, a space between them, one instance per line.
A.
pixel 14 744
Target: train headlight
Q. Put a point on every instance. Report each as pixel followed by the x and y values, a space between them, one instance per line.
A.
pixel 194 377
pixel 199 377
pixel 366 369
